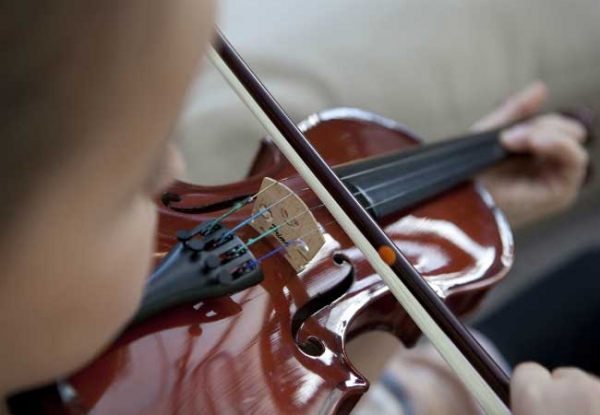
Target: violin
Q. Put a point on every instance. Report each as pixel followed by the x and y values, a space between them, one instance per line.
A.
pixel 258 288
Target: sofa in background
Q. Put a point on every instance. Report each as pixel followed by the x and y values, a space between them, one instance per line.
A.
pixel 436 67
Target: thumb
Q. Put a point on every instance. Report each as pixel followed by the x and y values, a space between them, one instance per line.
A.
pixel 521 105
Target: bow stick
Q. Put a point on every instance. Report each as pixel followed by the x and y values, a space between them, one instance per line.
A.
pixel 478 371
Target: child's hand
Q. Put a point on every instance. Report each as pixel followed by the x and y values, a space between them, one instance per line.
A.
pixel 535 391
pixel 530 189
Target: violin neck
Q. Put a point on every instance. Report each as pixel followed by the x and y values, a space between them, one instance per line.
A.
pixel 393 182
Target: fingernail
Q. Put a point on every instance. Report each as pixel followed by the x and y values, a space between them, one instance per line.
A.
pixel 514 135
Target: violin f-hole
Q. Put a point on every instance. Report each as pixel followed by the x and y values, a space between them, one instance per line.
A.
pixel 313 346
pixel 187 204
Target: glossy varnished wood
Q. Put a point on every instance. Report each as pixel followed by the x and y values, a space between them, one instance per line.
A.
pixel 239 355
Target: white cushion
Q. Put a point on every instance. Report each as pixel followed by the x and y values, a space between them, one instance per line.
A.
pixel 435 66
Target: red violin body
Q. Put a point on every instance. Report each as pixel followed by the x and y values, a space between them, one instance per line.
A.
pixel 279 347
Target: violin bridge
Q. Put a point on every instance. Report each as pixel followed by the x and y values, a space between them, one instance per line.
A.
pixel 289 220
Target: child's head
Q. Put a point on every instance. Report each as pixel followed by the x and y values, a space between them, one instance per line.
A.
pixel 89 91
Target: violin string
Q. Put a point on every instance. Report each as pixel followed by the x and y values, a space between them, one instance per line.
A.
pixel 458 146
pixel 411 175
pixel 300 238
pixel 421 185
pixel 239 205
pixel 455 146
pixel 402 178
pixel 406 177
pixel 260 212
pixel 269 231
pixel 446 164
pixel 235 208
pixel 287 244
